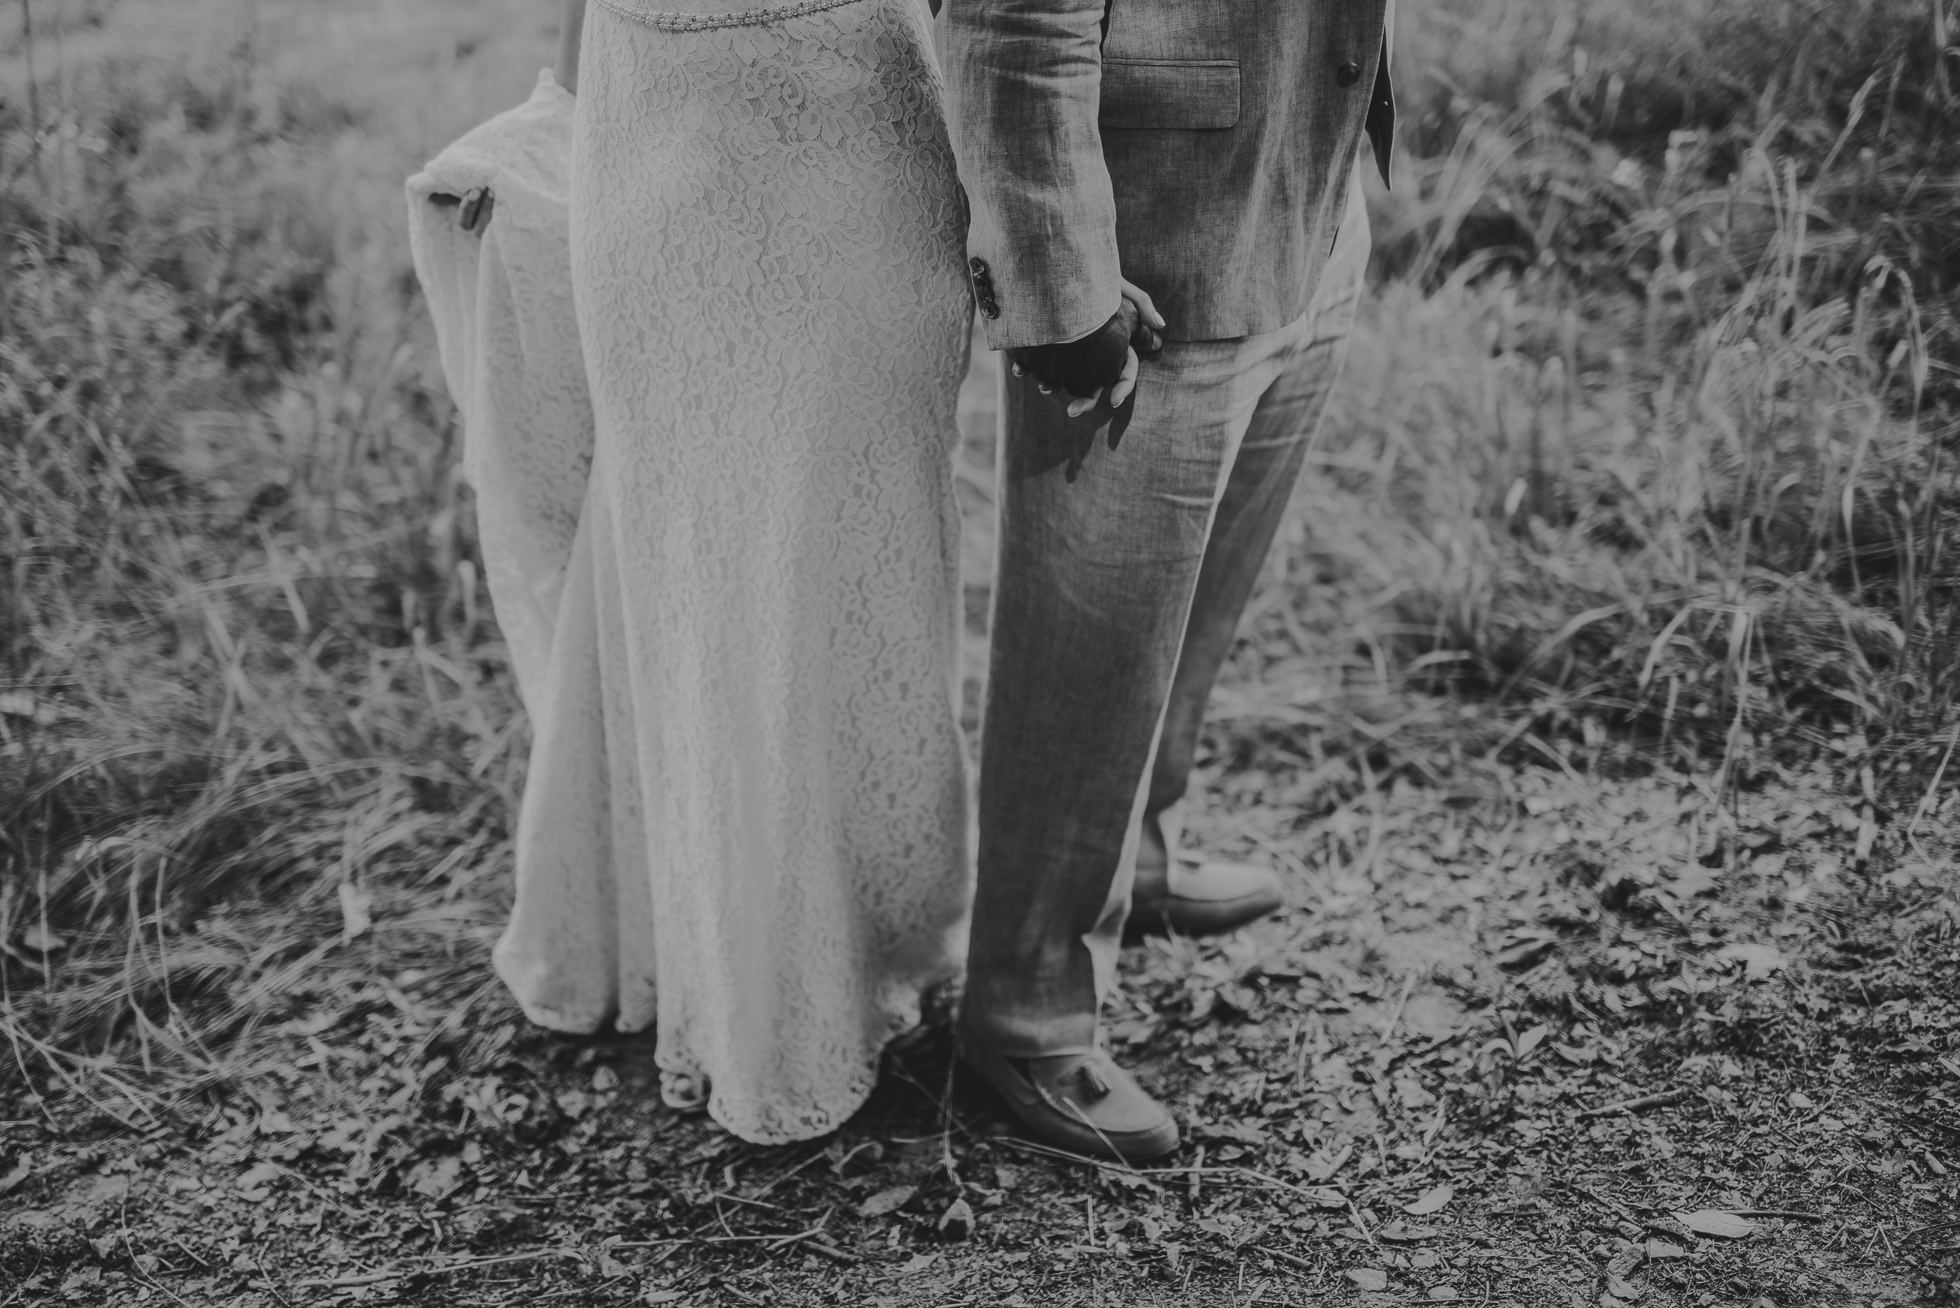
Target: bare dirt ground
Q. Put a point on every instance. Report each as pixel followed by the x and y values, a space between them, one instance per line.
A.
pixel 1520 1038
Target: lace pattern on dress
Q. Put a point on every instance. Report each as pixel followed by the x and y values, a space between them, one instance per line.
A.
pixel 744 821
pixel 672 21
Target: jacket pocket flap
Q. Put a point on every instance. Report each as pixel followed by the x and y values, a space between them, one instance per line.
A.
pixel 1170 94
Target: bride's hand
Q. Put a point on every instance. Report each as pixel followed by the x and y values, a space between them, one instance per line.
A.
pixel 1149 339
pixel 1146 341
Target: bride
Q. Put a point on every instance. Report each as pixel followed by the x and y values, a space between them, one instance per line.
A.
pixel 744 822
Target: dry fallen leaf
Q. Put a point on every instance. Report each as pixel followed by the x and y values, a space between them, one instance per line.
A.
pixel 1530 1040
pixel 1368 1278
pixel 1400 1232
pixel 432 1178
pixel 1410 1091
pixel 1662 1249
pixel 956 1223
pixel 256 1178
pixel 887 1201
pixel 1433 1201
pixel 1322 1165
pixel 1709 1221
pixel 1523 949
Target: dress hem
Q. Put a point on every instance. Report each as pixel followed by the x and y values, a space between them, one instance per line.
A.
pixel 814 1124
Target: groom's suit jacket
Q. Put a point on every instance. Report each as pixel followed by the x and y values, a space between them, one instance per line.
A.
pixel 1200 147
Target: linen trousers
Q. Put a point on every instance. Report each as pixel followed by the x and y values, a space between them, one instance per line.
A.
pixel 1117 598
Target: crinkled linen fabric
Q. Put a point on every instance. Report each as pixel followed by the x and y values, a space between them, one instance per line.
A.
pixel 744 821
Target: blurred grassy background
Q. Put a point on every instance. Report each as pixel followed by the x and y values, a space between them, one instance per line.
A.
pixel 1645 453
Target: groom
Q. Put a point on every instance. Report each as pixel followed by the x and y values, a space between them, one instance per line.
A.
pixel 1182 165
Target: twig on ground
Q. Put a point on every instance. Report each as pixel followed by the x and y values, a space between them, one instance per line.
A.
pixel 831 1251
pixel 585 1292
pixel 1285 1257
pixel 1377 822
pixel 1063 1155
pixel 706 1239
pixel 379 1278
pixel 1925 805
pixel 1401 1003
pixel 1613 1206
pixel 1930 1227
pixel 1354 1211
pixel 784 1176
pixel 1660 1100
pixel 811 1238
pixel 1427 1047
pixel 814 1238
pixel 271 1285
pixel 129 1249
pixel 1194 1172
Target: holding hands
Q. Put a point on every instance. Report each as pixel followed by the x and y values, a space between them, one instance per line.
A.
pixel 1103 362
pixel 1096 375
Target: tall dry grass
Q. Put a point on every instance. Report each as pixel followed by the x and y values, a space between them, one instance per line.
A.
pixel 1647 437
pixel 1656 411
pixel 249 673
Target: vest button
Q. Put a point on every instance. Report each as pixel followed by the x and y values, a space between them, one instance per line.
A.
pixel 1348 73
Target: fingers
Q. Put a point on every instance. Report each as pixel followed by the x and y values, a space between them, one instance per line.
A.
pixel 1145 305
pixel 1081 404
pixel 1125 386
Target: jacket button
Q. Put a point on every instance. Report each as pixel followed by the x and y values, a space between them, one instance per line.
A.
pixel 1348 73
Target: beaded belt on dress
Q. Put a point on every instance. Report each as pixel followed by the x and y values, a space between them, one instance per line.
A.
pixel 700 22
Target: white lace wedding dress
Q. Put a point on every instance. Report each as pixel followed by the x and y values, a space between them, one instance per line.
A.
pixel 744 822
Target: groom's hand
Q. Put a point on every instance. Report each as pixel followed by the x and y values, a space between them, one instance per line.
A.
pixel 1145 338
pixel 1078 370
pixel 1082 368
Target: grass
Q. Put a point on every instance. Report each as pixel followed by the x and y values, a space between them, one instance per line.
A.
pixel 246 648
pixel 1660 396
pixel 1645 458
